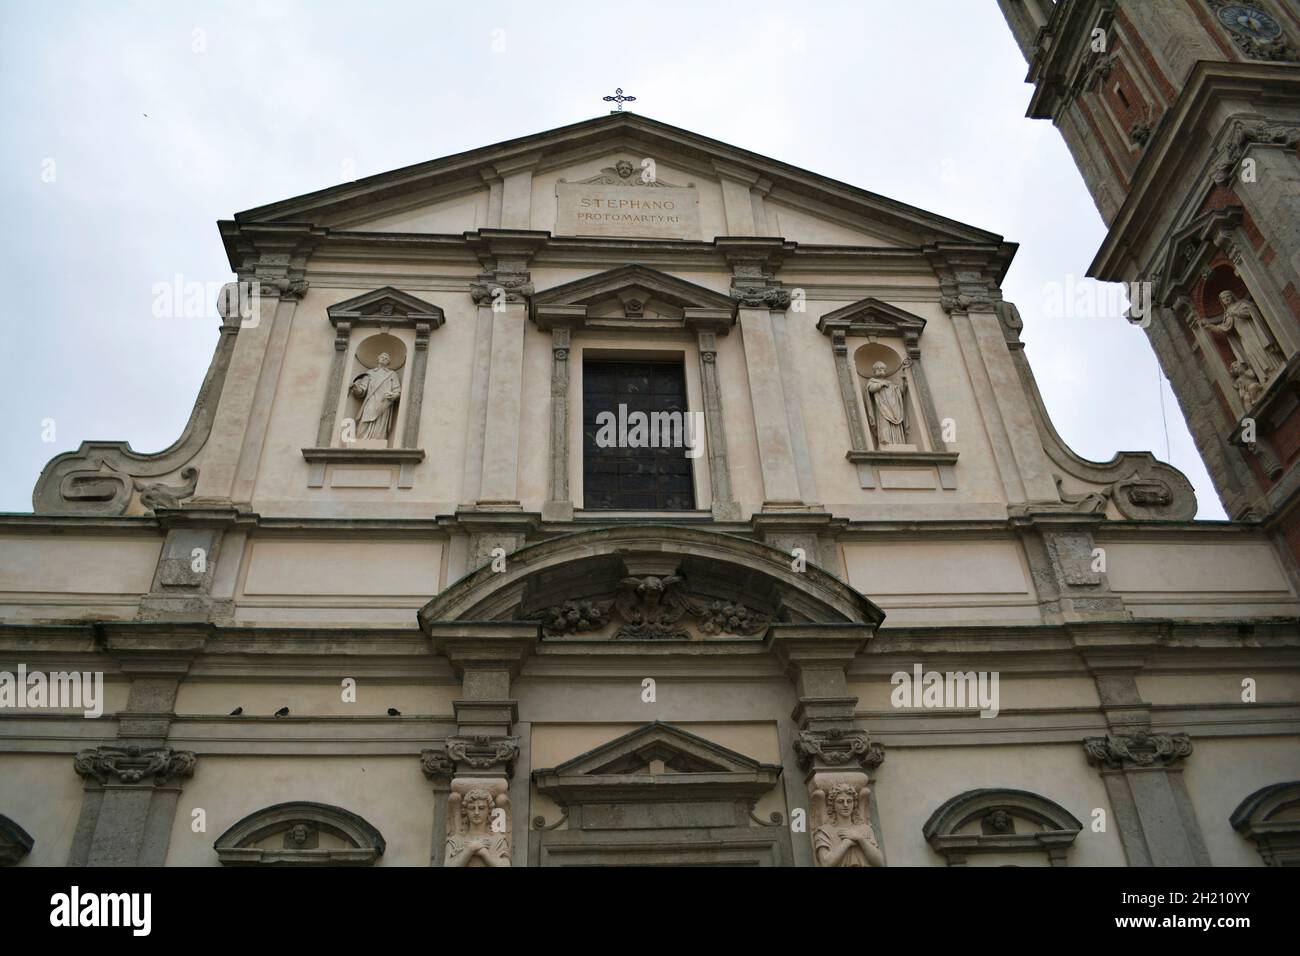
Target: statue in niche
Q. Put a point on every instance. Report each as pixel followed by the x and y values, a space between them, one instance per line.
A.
pixel 843 837
pixel 378 388
pixel 477 834
pixel 1244 328
pixel 886 407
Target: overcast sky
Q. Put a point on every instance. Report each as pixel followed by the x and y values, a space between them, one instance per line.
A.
pixel 130 128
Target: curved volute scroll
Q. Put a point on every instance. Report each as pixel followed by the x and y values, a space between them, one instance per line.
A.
pixel 651 582
pixel 105 477
pixel 1139 485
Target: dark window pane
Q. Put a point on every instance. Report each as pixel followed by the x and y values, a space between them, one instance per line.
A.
pixel 655 475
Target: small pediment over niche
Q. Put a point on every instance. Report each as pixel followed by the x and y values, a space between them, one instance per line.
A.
pixel 300 834
pixel 872 317
pixel 1188 251
pixel 386 306
pixel 633 297
pixel 655 750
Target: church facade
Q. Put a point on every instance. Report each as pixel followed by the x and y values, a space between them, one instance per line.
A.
pixel 614 495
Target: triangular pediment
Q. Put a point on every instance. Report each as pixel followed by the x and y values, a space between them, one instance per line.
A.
pixel 646 749
pixel 1189 249
pixel 461 192
pixel 386 306
pixel 633 296
pixel 871 316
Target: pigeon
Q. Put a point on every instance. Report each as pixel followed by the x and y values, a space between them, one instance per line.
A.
pixel 236 712
pixel 394 712
pixel 282 712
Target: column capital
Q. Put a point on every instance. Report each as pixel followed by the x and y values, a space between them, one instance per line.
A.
pixel 132 764
pixel 1139 750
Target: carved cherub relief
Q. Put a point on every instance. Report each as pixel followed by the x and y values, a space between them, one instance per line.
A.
pixel 478 835
pixel 841 835
pixel 652 606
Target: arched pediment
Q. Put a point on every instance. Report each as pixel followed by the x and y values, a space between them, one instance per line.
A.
pixel 300 834
pixel 1001 821
pixel 1271 818
pixel 651 582
pixel 15 842
pixel 633 297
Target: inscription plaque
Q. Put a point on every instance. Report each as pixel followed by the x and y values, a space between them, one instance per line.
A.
pixel 641 212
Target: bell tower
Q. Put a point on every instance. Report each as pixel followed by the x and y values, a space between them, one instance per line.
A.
pixel 1184 117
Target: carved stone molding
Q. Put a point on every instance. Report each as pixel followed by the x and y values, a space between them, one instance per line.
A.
pixel 436 765
pixel 480 752
pixel 158 495
pixel 652 607
pixel 491 288
pixel 1241 135
pixel 133 764
pixel 1137 750
pixel 767 297
pixel 837 748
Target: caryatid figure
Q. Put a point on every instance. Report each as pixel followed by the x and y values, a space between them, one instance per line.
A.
pixel 473 837
pixel 843 836
pixel 1243 326
pixel 378 388
pixel 886 407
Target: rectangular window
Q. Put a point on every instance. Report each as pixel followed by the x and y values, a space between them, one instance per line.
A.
pixel 622 469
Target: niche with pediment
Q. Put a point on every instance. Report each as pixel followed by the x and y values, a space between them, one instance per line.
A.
pixel 370 419
pixel 895 436
pixel 300 834
pixel 659 796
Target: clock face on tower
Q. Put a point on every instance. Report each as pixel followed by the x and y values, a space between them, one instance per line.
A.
pixel 1249 21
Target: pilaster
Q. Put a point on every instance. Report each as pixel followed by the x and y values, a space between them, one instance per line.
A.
pixel 133 785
